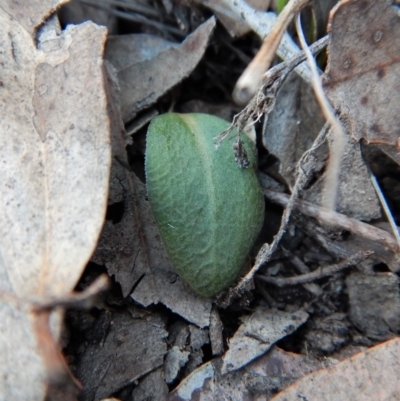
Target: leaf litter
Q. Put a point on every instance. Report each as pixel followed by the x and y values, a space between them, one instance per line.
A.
pixel 167 345
pixel 53 185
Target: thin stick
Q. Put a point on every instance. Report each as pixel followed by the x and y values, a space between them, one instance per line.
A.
pixel 335 219
pixel 386 208
pixel 317 274
pixel 303 269
pixel 251 79
pixel 337 149
pixel 298 58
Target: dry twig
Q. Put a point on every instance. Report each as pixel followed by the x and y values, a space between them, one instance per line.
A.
pixel 334 219
pixel 315 289
pixel 317 274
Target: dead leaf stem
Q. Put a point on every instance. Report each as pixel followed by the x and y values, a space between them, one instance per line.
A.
pixel 83 299
pixel 251 79
pixel 78 300
pixel 259 22
pixel 338 146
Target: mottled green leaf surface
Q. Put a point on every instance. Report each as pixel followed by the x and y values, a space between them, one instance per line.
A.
pixel 208 210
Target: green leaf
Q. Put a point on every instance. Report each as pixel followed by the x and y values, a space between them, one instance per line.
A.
pixel 209 211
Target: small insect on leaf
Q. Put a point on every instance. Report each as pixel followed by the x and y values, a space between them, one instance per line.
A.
pixel 240 154
pixel 209 211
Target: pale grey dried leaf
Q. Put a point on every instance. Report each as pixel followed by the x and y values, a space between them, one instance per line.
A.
pixel 174 361
pixel 194 383
pixel 216 338
pixel 55 184
pixel 260 23
pixel 198 337
pixel 290 131
pixel 374 304
pixel 328 334
pixel 196 359
pixel 32 13
pixel 55 153
pixel 257 334
pixel 257 381
pixel 129 349
pixel 123 51
pixel 355 195
pixel 151 387
pixel 143 83
pixel 293 125
pixel 188 341
pixel 20 360
pixel 162 284
pixel 232 22
pixel 178 333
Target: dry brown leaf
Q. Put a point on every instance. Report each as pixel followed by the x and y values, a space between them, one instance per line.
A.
pixel 363 68
pixel 55 158
pixel 143 81
pixel 370 375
